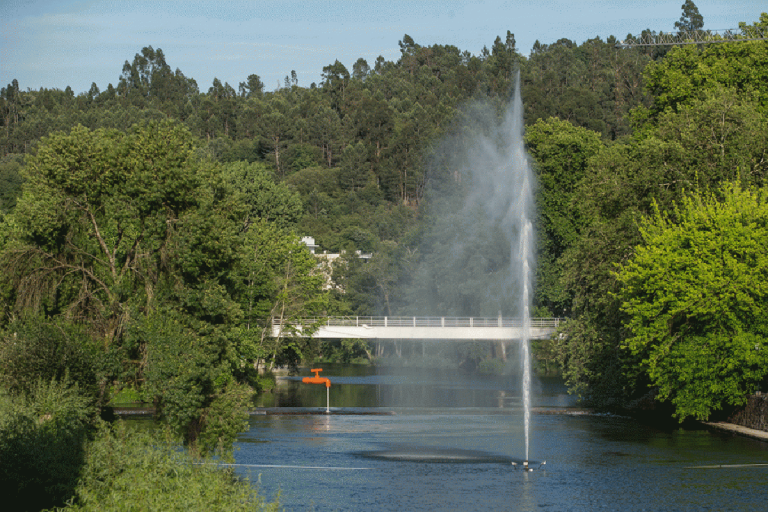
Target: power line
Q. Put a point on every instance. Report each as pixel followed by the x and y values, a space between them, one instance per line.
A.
pixel 731 35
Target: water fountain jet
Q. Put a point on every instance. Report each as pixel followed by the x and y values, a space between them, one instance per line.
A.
pixel 519 215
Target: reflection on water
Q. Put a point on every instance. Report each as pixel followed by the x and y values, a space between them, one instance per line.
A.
pixel 362 386
pixel 593 462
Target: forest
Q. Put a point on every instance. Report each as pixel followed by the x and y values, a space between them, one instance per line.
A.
pixel 150 235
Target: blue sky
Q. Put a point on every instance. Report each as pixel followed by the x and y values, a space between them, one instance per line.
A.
pixel 54 44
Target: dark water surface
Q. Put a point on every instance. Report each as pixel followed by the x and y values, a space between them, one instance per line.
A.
pixel 450 442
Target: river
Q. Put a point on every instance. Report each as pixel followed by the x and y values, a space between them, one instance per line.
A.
pixel 432 440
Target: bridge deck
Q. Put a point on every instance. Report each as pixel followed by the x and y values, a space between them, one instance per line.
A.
pixel 423 328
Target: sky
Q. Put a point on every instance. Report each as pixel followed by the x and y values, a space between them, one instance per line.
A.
pixel 55 44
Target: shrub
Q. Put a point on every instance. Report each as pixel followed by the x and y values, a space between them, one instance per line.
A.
pixel 34 350
pixel 129 470
pixel 42 444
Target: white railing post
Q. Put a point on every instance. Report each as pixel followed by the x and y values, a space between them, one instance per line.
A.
pixel 442 321
pixel 385 321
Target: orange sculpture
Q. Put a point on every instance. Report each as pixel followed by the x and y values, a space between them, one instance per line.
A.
pixel 317 379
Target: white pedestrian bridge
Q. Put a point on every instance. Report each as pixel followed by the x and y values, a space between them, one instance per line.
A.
pixel 419 328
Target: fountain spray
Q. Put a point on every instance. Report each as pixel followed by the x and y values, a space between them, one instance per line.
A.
pixel 492 256
pixel 521 211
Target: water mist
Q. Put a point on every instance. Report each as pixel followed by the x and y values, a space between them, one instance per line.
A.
pixel 477 258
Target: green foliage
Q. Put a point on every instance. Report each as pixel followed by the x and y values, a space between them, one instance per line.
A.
pixel 691 18
pixel 713 136
pixel 266 382
pixel 91 232
pixel 281 281
pixel 223 420
pixel 561 153
pixel 348 351
pixel 689 72
pixel 10 182
pixel 191 382
pixel 733 145
pixel 43 433
pixel 126 396
pixel 117 228
pixel 591 85
pixel 264 199
pixel 130 470
pixel 695 294
pixel 38 349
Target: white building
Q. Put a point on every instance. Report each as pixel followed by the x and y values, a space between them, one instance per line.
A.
pixel 327 260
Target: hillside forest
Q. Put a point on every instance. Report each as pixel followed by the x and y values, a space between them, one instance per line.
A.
pixel 150 234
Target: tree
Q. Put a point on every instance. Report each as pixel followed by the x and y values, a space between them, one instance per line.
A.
pixel 561 154
pixel 691 19
pixel 275 127
pixel 262 197
pixel 10 182
pixel 695 293
pixel 695 141
pixel 127 465
pixel 355 170
pixel 167 262
pixel 360 69
pixel 251 88
pixel 282 283
pixel 94 223
pixel 223 106
pixel 688 73
pixel 43 436
pixel 191 381
pixel 335 81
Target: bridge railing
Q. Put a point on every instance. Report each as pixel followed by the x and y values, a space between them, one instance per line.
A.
pixel 425 321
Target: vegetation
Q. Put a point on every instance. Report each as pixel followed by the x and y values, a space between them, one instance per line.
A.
pixel 150 236
pixel 128 470
pixel 710 135
pixel 695 293
pixel 42 443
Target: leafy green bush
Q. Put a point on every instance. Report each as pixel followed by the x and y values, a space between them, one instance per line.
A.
pixel 125 396
pixel 42 444
pixel 129 470
pixel 193 389
pixel 223 420
pixel 265 382
pixel 37 349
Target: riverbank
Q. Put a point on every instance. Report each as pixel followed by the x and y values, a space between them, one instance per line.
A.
pixel 738 429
